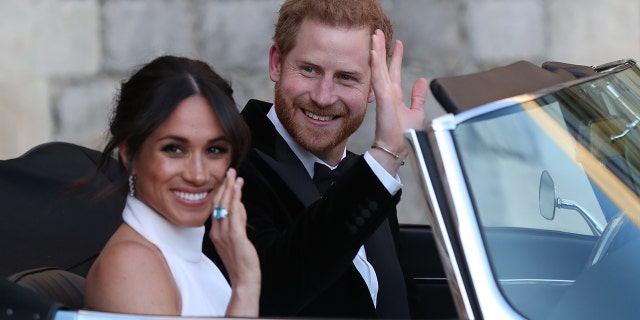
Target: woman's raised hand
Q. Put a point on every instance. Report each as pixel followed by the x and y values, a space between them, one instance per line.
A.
pixel 238 254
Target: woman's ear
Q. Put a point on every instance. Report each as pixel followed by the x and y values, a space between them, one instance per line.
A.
pixel 125 158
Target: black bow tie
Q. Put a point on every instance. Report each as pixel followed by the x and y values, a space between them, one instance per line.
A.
pixel 324 177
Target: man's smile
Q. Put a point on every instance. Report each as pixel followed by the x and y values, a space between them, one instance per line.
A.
pixel 318 117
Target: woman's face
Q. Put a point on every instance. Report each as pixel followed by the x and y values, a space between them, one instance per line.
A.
pixel 181 164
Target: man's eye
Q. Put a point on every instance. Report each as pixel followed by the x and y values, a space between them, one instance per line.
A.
pixel 346 77
pixel 308 69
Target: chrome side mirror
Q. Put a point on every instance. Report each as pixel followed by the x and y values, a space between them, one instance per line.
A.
pixel 549 201
pixel 547 196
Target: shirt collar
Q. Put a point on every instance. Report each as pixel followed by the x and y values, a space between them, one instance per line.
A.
pixel 307 158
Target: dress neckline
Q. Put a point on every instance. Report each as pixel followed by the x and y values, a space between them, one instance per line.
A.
pixel 185 242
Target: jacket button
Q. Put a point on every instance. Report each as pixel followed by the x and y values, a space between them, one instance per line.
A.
pixel 373 206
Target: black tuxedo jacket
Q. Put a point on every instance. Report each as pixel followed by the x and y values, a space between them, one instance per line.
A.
pixel 306 243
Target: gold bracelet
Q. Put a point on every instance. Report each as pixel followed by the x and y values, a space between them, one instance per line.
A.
pixel 395 155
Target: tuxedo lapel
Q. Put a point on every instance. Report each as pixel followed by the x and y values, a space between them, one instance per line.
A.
pixel 294 175
pixel 275 152
pixel 392 299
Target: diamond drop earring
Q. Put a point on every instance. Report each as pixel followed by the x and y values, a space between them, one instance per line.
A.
pixel 132 187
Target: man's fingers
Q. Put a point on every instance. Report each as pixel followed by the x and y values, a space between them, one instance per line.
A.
pixel 418 98
pixel 395 68
pixel 378 58
pixel 419 94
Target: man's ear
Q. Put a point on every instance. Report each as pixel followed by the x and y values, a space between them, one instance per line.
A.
pixel 372 96
pixel 275 63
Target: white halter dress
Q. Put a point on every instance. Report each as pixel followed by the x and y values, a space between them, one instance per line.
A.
pixel 204 290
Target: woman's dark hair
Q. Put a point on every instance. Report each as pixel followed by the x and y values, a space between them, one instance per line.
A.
pixel 153 92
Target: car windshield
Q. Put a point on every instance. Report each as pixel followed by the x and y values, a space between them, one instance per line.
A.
pixel 554 181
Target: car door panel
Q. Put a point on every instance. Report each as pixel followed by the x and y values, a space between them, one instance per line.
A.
pixel 427 285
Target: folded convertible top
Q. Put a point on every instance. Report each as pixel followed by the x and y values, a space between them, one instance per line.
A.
pixel 459 93
pixel 46 218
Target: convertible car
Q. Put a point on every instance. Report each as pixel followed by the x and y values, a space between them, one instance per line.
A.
pixel 530 182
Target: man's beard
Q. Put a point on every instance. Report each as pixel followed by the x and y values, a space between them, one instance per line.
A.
pixel 319 141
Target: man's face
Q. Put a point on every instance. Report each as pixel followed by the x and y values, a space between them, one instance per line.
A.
pixel 323 86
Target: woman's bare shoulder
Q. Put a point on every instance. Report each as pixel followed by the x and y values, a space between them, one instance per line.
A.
pixel 131 276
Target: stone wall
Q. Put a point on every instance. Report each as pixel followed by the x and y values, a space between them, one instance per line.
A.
pixel 62 60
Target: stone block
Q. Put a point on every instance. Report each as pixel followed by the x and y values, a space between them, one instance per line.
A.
pixel 431 33
pixel 18 24
pixel 504 31
pixel 238 34
pixel 26 120
pixel 137 31
pixel 593 32
pixel 69 42
pixel 49 38
pixel 83 111
pixel 250 85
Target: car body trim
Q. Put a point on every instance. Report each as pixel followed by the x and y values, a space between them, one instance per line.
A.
pixel 465 226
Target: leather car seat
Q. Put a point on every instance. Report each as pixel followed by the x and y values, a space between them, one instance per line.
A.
pixel 58 285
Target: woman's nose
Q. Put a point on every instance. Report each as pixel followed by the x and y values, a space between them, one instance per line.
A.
pixel 195 171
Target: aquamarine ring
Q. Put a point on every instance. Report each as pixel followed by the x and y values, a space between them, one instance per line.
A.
pixel 219 212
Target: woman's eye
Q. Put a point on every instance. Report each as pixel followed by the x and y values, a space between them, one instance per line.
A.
pixel 172 148
pixel 218 150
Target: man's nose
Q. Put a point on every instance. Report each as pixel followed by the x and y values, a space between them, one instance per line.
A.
pixel 323 93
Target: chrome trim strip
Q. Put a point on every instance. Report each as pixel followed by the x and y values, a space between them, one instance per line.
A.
pixel 66 315
pixel 490 299
pixel 537 281
pixel 97 315
pixel 448 259
pixel 429 279
pixel 611 66
pixel 444 122
pixel 484 109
